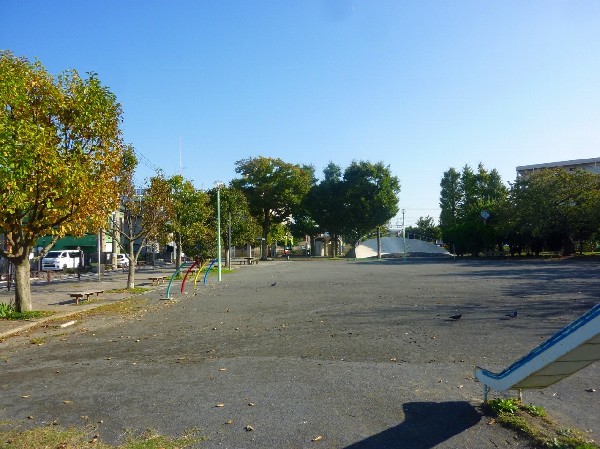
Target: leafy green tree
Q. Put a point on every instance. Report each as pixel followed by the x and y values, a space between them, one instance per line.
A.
pixel 326 203
pixel 450 197
pixel 370 198
pixel 554 209
pixel 61 156
pixel 303 224
pixel 244 227
pixel 470 204
pixel 273 188
pixel 426 229
pixel 278 235
pixel 192 213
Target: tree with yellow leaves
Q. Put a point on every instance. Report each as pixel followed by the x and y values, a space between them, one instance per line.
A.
pixel 61 159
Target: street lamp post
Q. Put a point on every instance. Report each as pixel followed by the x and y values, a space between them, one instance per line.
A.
pixel 403 236
pixel 219 184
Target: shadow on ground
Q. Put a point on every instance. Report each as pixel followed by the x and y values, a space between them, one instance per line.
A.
pixel 427 424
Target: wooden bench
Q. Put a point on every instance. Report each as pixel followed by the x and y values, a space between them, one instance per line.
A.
pixel 157 280
pixel 244 260
pixel 85 295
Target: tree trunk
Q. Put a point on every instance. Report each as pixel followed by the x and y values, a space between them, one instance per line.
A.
pixel 568 246
pixel 379 242
pixel 334 245
pixel 23 301
pixel 266 225
pixel 178 249
pixel 263 243
pixel 132 264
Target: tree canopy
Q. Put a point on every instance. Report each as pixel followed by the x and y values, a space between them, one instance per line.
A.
pixel 143 218
pixel 554 209
pixel 273 188
pixel 471 203
pixel 61 156
pixel 192 213
pixel 371 198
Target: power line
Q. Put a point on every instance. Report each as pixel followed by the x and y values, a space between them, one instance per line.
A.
pixel 145 161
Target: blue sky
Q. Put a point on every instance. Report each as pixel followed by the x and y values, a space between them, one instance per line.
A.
pixel 420 85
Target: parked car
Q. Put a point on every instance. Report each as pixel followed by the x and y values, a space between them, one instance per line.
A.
pixel 122 261
pixel 61 260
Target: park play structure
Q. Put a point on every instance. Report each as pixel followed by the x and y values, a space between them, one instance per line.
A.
pixel 566 352
pixel 196 267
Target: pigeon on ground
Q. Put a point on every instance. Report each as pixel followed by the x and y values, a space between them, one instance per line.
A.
pixel 456 317
pixel 512 314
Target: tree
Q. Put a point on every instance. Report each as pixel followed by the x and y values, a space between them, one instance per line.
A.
pixel 192 213
pixel 244 227
pixel 554 208
pixel 61 155
pixel 470 203
pixel 325 203
pixel 426 229
pixel 449 198
pixel 273 188
pixel 370 198
pixel 146 213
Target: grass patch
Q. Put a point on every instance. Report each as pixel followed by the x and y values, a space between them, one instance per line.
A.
pixel 134 291
pixel 215 270
pixel 8 312
pixel 55 437
pixel 533 423
pixel 125 306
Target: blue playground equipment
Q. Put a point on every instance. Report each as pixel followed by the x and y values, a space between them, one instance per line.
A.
pixel 566 352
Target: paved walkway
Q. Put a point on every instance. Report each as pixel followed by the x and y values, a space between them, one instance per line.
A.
pixel 335 354
pixel 54 296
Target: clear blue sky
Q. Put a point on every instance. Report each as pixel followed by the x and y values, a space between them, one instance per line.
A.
pixel 420 85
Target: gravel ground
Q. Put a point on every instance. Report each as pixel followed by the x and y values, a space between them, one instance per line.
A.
pixel 352 354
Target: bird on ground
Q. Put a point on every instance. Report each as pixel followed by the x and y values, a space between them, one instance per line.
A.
pixel 512 314
pixel 456 317
pixel 273 284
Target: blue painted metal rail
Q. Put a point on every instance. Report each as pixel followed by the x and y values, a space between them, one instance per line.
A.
pixel 566 352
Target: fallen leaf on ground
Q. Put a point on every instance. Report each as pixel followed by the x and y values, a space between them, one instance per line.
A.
pixel 317 438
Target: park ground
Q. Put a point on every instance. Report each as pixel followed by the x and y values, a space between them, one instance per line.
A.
pixel 298 354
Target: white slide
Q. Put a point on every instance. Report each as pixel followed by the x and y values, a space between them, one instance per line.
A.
pixel 566 352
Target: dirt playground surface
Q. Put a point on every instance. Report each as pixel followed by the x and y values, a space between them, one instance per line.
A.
pixel 331 354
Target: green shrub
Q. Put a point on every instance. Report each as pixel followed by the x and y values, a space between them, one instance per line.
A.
pixel 500 406
pixel 8 312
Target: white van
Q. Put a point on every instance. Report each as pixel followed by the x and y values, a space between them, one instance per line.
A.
pixel 122 261
pixel 61 260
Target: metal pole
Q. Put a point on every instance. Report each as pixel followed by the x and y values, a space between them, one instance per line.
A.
pixel 403 236
pixel 229 242
pixel 219 232
pixel 99 251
